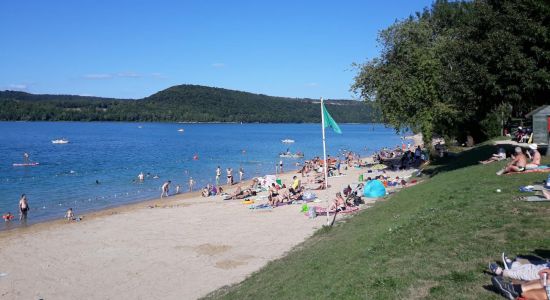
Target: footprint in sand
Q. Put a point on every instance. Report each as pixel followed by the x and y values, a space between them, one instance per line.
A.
pixel 229 264
pixel 209 249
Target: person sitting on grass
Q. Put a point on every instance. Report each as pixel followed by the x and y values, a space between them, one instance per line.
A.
pixel 531 290
pixel 518 163
pixel 500 155
pixel 518 271
pixel 534 156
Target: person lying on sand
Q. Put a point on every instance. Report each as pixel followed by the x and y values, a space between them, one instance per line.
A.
pixel 517 164
pixel 531 290
pixel 500 155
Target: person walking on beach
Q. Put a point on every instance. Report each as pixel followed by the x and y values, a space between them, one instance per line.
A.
pixel 165 188
pixel 191 184
pixel 281 166
pixel 241 174
pixel 229 176
pixel 23 208
pixel 218 175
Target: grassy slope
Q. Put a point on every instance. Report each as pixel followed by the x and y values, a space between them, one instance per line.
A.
pixel 430 241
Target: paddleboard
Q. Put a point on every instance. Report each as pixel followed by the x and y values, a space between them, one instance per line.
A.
pixel 26 164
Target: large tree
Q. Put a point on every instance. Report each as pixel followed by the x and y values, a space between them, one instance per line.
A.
pixel 454 67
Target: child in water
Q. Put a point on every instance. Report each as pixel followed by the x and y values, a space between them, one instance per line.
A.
pixel 8 217
pixel 69 214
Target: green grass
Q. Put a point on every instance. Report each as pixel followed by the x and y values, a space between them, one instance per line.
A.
pixel 430 241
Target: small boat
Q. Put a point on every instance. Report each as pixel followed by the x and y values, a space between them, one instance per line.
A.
pixel 29 164
pixel 60 141
pixel 181 130
pixel 287 141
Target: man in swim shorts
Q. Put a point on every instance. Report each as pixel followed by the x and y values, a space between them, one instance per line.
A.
pixel 518 163
pixel 23 208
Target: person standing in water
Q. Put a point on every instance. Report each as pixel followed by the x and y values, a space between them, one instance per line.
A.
pixel 26 157
pixel 229 176
pixel 241 174
pixel 165 189
pixel 141 177
pixel 191 184
pixel 218 175
pixel 23 208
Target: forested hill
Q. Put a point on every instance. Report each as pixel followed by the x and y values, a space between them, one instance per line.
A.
pixel 182 103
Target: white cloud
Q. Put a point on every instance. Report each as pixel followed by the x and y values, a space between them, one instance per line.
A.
pixel 98 76
pixel 218 65
pixel 18 87
pixel 312 84
pixel 129 75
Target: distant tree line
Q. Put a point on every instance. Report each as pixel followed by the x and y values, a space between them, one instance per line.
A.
pixel 183 103
pixel 461 66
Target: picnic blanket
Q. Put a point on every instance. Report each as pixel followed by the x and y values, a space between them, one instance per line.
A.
pixel 321 210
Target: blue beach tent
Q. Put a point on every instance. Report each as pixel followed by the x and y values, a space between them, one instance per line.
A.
pixel 374 189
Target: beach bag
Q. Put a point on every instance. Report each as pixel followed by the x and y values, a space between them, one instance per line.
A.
pixel 309 196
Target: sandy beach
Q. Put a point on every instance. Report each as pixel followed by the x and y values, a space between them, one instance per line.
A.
pixel 183 248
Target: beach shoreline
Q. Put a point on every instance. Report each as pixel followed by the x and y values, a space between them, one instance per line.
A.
pixel 185 246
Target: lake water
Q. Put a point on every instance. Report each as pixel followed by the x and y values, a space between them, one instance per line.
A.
pixel 115 153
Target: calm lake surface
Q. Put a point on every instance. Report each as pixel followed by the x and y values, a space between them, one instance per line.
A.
pixel 115 153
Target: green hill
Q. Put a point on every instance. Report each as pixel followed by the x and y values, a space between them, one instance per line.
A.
pixel 182 103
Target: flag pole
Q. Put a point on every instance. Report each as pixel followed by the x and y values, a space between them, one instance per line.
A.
pixel 325 165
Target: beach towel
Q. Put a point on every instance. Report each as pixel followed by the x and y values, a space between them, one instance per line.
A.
pixel 249 201
pixel 264 206
pixel 321 210
pixel 540 169
pixel 534 199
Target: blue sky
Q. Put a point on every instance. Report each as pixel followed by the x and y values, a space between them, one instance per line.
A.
pixel 131 49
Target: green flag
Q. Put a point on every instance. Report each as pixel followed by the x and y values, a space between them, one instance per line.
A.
pixel 329 121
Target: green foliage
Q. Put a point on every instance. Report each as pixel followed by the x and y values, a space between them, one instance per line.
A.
pixel 430 241
pixel 183 103
pixel 447 68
